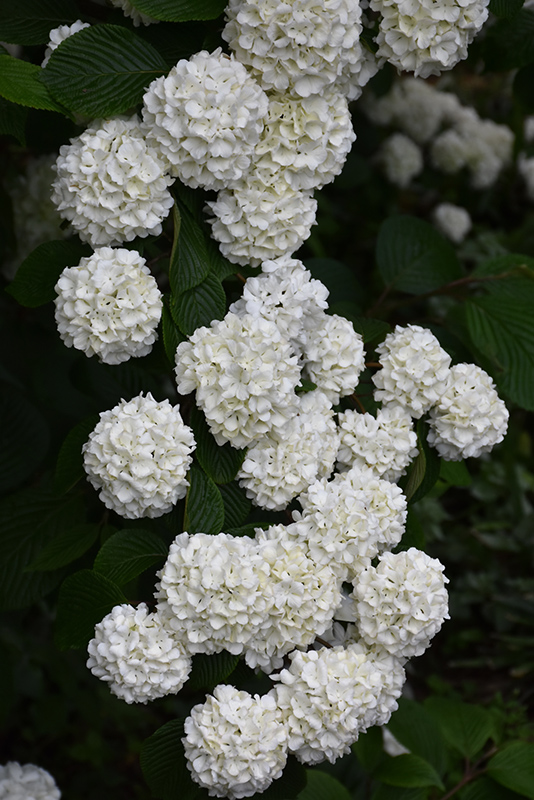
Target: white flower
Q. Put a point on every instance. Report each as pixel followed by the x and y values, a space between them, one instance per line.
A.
pixel 302 46
pixel 329 696
pixel 306 140
pixel 138 456
pixel 387 443
pixel 333 356
pixel 452 221
pixel 109 305
pixel 351 519
pixel 214 587
pixel 414 370
pixel 110 184
pixel 58 35
pixel 427 37
pixel 256 221
pixel 130 11
pixel 205 118
pixel 138 655
pixel 470 418
pixel 244 373
pixel 283 463
pixel 401 159
pixel 402 603
pixel 358 71
pixel 26 782
pixel 235 743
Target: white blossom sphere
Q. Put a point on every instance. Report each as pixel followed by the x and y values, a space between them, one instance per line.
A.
pixel 110 185
pixel 138 457
pixel 470 418
pixel 401 159
pixel 27 782
pixel 255 221
pixel 58 35
pixel 334 356
pixel 415 369
pixel 452 221
pixel 402 603
pixel 301 46
pixel 205 118
pixel 387 443
pixel 425 37
pixel 109 305
pixel 136 653
pixel 244 373
pixel 235 743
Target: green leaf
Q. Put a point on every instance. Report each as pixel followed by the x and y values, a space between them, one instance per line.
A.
pixel 30 21
pixel 466 727
pixel 164 766
pixel 369 749
pixel 30 519
pixel 505 8
pixel 417 730
pixel 208 671
pixel 102 71
pixel 339 279
pixel 413 257
pixel 510 42
pixel 13 121
pixel 414 534
pixel 200 305
pixel 385 792
pixel 204 508
pixel 322 786
pixel 220 463
pixel 69 545
pixel 69 466
pixel 409 771
pixel 455 473
pixel 170 334
pixel 189 264
pixel 180 10
pixel 19 83
pixel 287 787
pixel 84 600
pixel 522 88
pixel 24 437
pixel 38 274
pixel 371 330
pixel 513 767
pixel 424 471
pixel 128 553
pixel 236 505
pixel 486 789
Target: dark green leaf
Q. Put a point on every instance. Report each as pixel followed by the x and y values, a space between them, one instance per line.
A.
pixel 102 70
pixel 128 553
pixel 30 21
pixel 236 505
pixel 220 265
pixel 171 335
pixel 455 473
pixel 511 265
pixel 513 767
pixel 414 534
pixel 322 786
pixel 220 463
pixel 505 8
pixel 510 42
pixel 164 765
pixel 69 545
pixel 24 437
pixel 200 305
pixel 204 508
pixel 19 83
pixel 369 750
pixel 522 88
pixel 69 466
pixel 84 600
pixel 13 120
pixel 180 10
pixel 409 771
pixel 424 471
pixel 413 257
pixel 372 330
pixel 486 789
pixel 417 730
pixel 385 792
pixel 38 274
pixel 339 279
pixel 246 530
pixel 287 787
pixel 189 264
pixel 465 726
pixel 208 671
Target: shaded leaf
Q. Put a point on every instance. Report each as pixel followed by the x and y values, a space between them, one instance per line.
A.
pixel 189 264
pixel 385 792
pixel 128 553
pixel 84 600
pixel 69 466
pixel 13 120
pixel 466 727
pixel 236 505
pixel 220 463
pixel 424 471
pixel 208 671
pixel 455 473
pixel 505 8
pixel 339 279
pixel 409 771
pixel 513 767
pixel 204 508
pixel 371 330
pixel 180 10
pixel 510 42
pixel 19 83
pixel 36 277
pixel 288 786
pixel 369 749
pixel 164 766
pixel 24 437
pixel 200 305
pixel 30 21
pixel 486 789
pixel 417 730
pixel 69 545
pixel 322 786
pixel 171 335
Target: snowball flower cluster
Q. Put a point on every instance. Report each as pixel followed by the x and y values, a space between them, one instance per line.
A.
pixel 334 356
pixel 110 184
pixel 58 35
pixel 135 652
pixel 235 743
pixel 401 604
pixel 470 418
pixel 109 305
pixel 26 782
pixel 205 118
pixel 138 456
pixel 401 159
pixel 452 221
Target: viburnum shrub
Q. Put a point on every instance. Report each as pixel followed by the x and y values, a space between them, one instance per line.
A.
pixel 232 508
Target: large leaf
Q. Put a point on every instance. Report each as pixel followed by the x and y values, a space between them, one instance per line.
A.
pixel 510 42
pixel 287 787
pixel 171 335
pixel 65 548
pixel 102 70
pixel 409 771
pixel 39 272
pixel 204 508
pixel 24 437
pixel 236 505
pixel 128 553
pixel 19 83
pixel 486 789
pixel 338 278
pixel 369 749
pixel 84 600
pixel 220 463
pixel 413 257
pixel 208 671
pixel 164 765
pixel 505 8
pixel 417 730
pixel 30 21
pixel 180 10
pixel 69 466
pixel 513 767
pixel 189 263
pixel 424 471
pixel 13 120
pixel 465 726
pixel 200 305
pixel 322 786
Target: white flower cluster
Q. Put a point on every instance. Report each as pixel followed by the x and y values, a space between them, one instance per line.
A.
pixel 26 782
pixel 58 35
pixel 452 221
pixel 401 159
pixel 138 456
pixel 109 305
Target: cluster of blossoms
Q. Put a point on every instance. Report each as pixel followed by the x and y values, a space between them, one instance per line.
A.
pixel 27 782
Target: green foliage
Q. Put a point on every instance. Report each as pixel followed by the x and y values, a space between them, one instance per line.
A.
pixel 24 437
pixel 66 547
pixel 180 10
pixel 208 671
pixel 424 470
pixel 321 786
pixel 163 764
pixel 200 305
pixel 416 729
pixel 30 21
pixel 220 463
pixel 128 553
pixel 84 600
pixel 13 120
pixel 513 767
pixel 19 83
pixel 466 727
pixel 189 265
pixel 510 43
pixel 69 466
pixel 204 507
pixel 408 771
pixel 38 274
